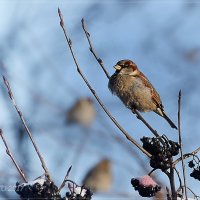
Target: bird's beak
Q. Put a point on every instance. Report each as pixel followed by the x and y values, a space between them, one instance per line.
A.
pixel 117 67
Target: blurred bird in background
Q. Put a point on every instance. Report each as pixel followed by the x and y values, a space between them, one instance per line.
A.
pixel 99 178
pixel 82 112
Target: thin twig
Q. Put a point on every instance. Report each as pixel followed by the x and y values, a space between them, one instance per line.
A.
pixel 185 156
pixel 181 145
pixel 152 171
pixel 93 91
pixel 26 127
pixel 100 61
pixel 12 158
pixel 195 196
pixel 65 179
pixel 172 183
pixel 180 181
pixel 139 116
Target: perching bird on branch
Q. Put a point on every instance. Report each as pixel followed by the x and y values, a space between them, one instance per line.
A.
pixel 135 90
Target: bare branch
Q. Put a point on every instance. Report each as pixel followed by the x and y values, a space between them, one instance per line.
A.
pixel 139 116
pixel 99 60
pixel 151 171
pixel 65 179
pixel 26 127
pixel 172 183
pixel 185 156
pixel 180 182
pixel 195 196
pixel 12 158
pixel 93 91
pixel 181 145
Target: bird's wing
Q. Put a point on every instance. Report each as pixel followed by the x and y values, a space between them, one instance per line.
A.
pixel 155 96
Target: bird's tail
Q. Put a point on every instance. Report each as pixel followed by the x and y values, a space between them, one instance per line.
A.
pixel 161 112
pixel 169 120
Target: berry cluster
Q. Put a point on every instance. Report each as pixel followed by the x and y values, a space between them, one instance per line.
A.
pixel 75 196
pixel 43 189
pixel 196 168
pixel 145 190
pixel 38 189
pixel 161 150
pixel 78 193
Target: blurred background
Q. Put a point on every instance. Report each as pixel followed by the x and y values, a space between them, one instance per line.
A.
pixel 162 37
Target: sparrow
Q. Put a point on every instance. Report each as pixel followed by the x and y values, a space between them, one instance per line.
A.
pixel 99 178
pixel 135 90
pixel 82 112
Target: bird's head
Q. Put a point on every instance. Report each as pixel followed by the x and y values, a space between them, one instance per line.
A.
pixel 126 67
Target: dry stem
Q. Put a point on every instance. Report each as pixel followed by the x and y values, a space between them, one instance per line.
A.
pixel 12 158
pixel 26 127
pixel 195 196
pixel 185 156
pixel 180 182
pixel 99 60
pixel 181 145
pixel 65 179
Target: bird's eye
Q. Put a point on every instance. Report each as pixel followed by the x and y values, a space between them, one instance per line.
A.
pixel 124 65
pixel 127 64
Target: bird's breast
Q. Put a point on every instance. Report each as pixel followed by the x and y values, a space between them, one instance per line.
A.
pixel 132 91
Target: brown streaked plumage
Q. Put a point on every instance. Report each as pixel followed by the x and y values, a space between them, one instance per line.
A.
pixel 135 90
pixel 99 178
pixel 82 112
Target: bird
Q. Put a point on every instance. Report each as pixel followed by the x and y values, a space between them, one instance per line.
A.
pixel 99 177
pixel 83 112
pixel 135 90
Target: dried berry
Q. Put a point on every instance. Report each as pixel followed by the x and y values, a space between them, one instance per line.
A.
pixel 162 151
pixel 195 164
pixel 191 164
pixel 195 174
